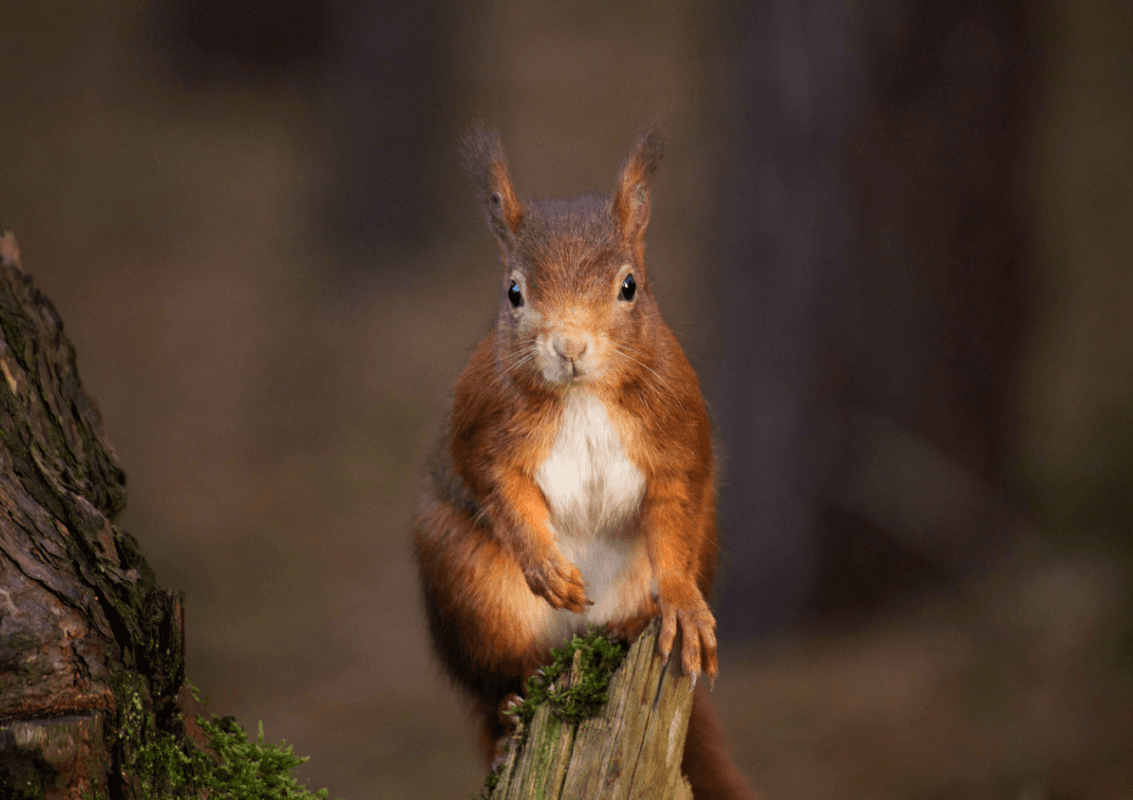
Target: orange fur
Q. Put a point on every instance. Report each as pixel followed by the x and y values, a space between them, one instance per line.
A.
pixel 577 427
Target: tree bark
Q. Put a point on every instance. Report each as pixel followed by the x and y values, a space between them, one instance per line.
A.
pixel 84 630
pixel 632 749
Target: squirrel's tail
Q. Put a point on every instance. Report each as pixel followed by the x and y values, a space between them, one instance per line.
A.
pixel 706 764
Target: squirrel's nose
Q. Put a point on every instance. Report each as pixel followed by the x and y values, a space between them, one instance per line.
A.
pixel 569 347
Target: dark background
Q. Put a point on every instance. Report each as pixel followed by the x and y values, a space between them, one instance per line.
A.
pixel 894 239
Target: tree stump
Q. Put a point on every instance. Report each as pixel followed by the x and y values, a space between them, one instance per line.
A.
pixel 85 633
pixel 632 749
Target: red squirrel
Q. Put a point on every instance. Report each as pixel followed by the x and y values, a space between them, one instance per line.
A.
pixel 575 484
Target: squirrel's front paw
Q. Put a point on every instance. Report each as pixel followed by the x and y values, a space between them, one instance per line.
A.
pixel 559 582
pixel 698 635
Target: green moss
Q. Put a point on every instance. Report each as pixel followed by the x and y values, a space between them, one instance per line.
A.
pixel 599 656
pixel 165 766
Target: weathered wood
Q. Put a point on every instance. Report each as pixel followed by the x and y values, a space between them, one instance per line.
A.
pixel 632 749
pixel 83 626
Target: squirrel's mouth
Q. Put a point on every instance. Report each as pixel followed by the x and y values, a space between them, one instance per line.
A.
pixel 563 362
pixel 564 372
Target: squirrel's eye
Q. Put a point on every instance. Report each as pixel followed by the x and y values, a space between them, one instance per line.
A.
pixel 629 288
pixel 514 295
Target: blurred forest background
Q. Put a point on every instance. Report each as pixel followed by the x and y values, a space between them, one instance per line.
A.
pixel 894 238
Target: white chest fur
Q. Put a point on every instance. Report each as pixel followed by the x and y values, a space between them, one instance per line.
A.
pixel 590 484
pixel 593 492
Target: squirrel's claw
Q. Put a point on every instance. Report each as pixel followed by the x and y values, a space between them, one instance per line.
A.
pixel 698 639
pixel 560 584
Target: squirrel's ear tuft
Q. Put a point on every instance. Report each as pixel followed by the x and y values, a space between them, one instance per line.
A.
pixel 483 158
pixel 630 203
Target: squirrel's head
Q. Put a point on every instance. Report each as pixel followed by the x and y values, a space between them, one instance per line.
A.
pixel 575 305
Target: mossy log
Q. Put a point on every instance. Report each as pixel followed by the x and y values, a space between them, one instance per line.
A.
pixel 631 749
pixel 84 629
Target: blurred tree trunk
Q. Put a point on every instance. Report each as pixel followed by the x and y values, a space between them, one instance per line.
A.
pixel 876 268
pixel 379 80
pixel 787 230
pixel 83 628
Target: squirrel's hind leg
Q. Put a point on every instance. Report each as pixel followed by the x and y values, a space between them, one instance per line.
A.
pixel 488 628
